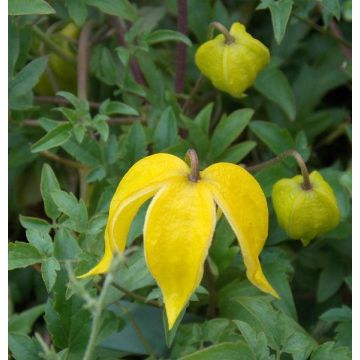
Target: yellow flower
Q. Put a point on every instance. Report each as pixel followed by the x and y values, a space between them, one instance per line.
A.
pixel 232 65
pixel 180 221
pixel 304 214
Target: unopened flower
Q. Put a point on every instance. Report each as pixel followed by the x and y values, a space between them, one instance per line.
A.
pixel 181 219
pixel 305 213
pixel 232 60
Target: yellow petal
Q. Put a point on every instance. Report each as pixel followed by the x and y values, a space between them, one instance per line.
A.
pixel 140 183
pixel 178 229
pixel 243 203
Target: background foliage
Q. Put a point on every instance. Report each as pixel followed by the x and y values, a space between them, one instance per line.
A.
pixel 115 104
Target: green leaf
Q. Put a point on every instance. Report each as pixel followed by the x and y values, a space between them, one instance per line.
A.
pixel 272 83
pixel 277 139
pixel 330 8
pixel 158 36
pixel 41 240
pixel 53 138
pixel 33 7
pixel 203 118
pixel 22 254
pixel 22 323
pixel 66 246
pixel 14 46
pixel 330 280
pixel 328 351
pixel 166 131
pixel 109 107
pixel 236 153
pixel 49 268
pixel 27 78
pixel 77 11
pixel 33 223
pixel 136 143
pixel 227 350
pixel 228 129
pixel 49 183
pixel 280 13
pixel 120 8
pixel 23 347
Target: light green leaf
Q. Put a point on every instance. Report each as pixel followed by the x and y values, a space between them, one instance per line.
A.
pixel 33 223
pixel 48 183
pixel 41 240
pixel 53 138
pixel 22 254
pixel 49 269
pixel 280 13
pixel 228 129
pixel 158 36
pixel 27 78
pixel 328 351
pixel 203 118
pixel 109 107
pixel 33 7
pixel 273 84
pixel 23 347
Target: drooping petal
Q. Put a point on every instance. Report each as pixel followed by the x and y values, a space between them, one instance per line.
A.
pixel 178 229
pixel 139 184
pixel 243 203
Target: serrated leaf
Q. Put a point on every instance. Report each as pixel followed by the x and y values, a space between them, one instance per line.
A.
pixel 29 222
pixel 33 7
pixel 22 254
pixel 272 78
pixel 159 36
pixel 53 138
pixel 41 240
pixel 228 129
pixel 49 183
pixel 49 269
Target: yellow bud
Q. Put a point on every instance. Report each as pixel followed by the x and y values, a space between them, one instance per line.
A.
pixel 232 67
pixel 304 214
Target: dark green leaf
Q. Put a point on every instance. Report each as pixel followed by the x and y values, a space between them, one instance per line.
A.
pixel 166 131
pixel 330 280
pixel 273 84
pixel 136 143
pixel 34 223
pixel 49 269
pixel 77 11
pixel 22 323
pixel 23 347
pixel 120 8
pixel 109 107
pixel 236 153
pixel 41 240
pixel 203 118
pixel 328 351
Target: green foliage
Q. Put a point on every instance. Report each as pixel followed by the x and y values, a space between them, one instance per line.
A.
pixel 67 154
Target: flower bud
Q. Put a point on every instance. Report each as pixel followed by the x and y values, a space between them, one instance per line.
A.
pixel 232 66
pixel 302 213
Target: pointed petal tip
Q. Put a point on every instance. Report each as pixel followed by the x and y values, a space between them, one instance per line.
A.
pixel 101 268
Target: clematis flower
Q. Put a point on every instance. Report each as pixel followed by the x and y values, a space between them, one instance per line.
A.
pixel 181 219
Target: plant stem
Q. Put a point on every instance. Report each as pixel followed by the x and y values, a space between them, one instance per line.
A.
pixel 135 296
pixel 192 94
pixel 83 60
pixel 137 329
pixel 229 39
pixel 289 153
pixel 97 320
pixel 52 45
pixel 192 159
pixel 60 160
pixel 182 27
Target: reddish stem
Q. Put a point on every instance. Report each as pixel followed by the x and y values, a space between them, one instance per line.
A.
pixel 180 47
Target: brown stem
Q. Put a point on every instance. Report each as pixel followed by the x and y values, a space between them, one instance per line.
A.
pixel 193 160
pixel 60 160
pixel 180 47
pixel 134 65
pixel 229 39
pixel 83 60
pixel 136 296
pixel 294 154
pixel 61 101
